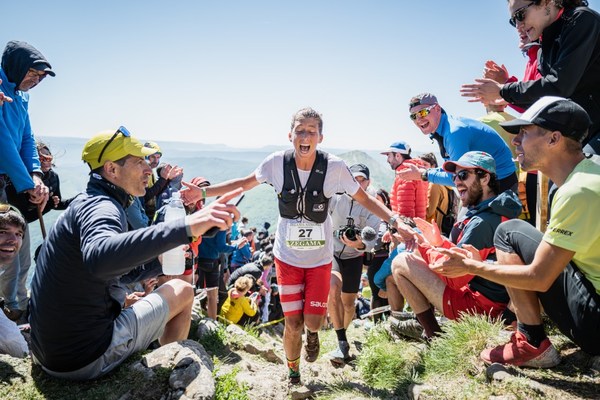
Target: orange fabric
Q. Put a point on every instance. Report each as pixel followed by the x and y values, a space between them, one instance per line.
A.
pixel 409 198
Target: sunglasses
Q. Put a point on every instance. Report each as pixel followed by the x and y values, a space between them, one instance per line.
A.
pixel 519 15
pixel 4 208
pixel 123 131
pixel 463 175
pixel 422 113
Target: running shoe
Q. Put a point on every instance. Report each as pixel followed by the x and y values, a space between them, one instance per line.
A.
pixel 341 355
pixel 520 353
pixel 410 328
pixel 312 346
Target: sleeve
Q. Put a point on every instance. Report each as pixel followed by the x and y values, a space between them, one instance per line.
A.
pixel 247 307
pixel 407 197
pixel 109 252
pixel 10 157
pixel 343 180
pixel 578 42
pixel 221 242
pixel 156 189
pixel 440 177
pixel 265 172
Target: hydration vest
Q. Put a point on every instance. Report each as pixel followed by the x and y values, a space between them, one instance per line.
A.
pixel 309 201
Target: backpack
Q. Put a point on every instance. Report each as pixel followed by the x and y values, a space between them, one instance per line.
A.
pixel 449 213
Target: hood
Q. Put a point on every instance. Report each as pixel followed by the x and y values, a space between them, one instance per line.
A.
pixel 18 57
pixel 506 204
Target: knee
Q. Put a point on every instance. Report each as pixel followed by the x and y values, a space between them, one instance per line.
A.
pixel 389 281
pixel 183 290
pixel 294 323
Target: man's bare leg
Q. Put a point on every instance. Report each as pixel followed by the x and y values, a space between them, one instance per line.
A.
pixel 179 295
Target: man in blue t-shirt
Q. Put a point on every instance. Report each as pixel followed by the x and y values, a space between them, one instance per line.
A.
pixel 455 136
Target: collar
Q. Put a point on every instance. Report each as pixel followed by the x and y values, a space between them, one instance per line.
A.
pixel 98 183
pixel 442 127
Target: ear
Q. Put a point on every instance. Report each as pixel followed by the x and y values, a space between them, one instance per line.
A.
pixel 554 138
pixel 109 168
pixel 290 136
pixel 320 137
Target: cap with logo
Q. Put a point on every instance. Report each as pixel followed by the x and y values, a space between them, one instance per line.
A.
pixel 115 146
pixel 555 114
pixel 472 159
pixel 422 99
pixel 360 170
pixel 398 147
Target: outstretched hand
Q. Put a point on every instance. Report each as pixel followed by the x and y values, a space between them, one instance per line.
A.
pixel 218 214
pixel 456 261
pixel 190 193
pixel 486 91
pixel 4 98
pixel 430 232
pixel 495 72
pixel 412 173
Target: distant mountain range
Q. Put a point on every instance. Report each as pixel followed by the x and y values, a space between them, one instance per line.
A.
pixel 214 162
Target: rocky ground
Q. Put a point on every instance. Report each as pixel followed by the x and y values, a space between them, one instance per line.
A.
pixel 249 364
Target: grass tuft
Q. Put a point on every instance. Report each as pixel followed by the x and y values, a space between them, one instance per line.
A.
pixel 455 353
pixel 227 387
pixel 215 342
pixel 385 364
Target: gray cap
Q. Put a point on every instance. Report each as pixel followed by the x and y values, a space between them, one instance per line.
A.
pixel 427 99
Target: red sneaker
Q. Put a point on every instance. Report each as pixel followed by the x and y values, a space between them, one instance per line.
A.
pixel 519 352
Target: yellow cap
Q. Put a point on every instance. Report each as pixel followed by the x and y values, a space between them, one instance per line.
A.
pixel 154 146
pixel 120 146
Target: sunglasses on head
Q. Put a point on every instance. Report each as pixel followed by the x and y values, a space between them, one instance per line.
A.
pixel 122 130
pixel 519 15
pixel 4 208
pixel 463 175
pixel 422 113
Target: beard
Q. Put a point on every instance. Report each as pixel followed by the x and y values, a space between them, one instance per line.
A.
pixel 474 194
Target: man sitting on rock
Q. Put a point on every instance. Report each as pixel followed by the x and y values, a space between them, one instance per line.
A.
pixel 79 328
pixel 12 229
pixel 474 175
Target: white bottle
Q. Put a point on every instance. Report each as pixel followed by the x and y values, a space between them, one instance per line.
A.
pixel 173 261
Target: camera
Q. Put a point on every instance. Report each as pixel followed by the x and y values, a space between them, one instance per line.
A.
pixel 351 230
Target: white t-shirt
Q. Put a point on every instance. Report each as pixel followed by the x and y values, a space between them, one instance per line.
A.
pixel 338 179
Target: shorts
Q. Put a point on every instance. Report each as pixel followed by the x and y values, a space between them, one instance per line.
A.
pixel 465 300
pixel 303 290
pixel 208 273
pixel 572 302
pixel 351 270
pixel 134 329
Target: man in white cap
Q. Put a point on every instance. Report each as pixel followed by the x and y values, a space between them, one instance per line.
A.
pixel 558 269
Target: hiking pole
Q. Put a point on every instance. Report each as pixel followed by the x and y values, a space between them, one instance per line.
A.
pixel 42 226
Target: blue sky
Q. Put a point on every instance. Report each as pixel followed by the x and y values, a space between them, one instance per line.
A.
pixel 234 72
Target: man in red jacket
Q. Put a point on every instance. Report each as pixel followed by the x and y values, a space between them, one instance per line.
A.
pixel 407 197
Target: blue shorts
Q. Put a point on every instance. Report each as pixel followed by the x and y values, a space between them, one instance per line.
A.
pixel 134 329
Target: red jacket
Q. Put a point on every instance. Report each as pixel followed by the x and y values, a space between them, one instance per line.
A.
pixel 409 198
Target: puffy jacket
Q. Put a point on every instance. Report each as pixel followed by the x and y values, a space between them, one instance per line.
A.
pixel 409 198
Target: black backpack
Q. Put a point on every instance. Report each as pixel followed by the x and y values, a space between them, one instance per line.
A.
pixel 449 214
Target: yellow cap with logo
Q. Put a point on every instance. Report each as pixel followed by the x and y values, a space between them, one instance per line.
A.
pixel 112 146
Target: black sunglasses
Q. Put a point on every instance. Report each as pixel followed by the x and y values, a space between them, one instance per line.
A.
pixel 519 15
pixel 463 175
pixel 122 130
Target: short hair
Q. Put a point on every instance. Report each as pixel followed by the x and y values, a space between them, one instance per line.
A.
pixel 430 158
pixel 266 260
pixel 243 284
pixel 568 3
pixel 386 197
pixel 307 113
pixel 11 216
pixel 121 161
pixel 493 184
pixel 244 220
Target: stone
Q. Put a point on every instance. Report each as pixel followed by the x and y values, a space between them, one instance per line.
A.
pixel 498 372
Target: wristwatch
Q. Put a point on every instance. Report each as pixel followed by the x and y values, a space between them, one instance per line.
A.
pixel 393 219
pixel 424 176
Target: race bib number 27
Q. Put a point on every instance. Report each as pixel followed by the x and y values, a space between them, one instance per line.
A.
pixel 305 236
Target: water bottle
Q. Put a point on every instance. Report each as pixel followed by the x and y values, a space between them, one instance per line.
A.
pixel 173 261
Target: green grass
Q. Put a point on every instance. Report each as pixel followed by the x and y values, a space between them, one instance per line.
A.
pixel 227 387
pixel 215 342
pixel 385 364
